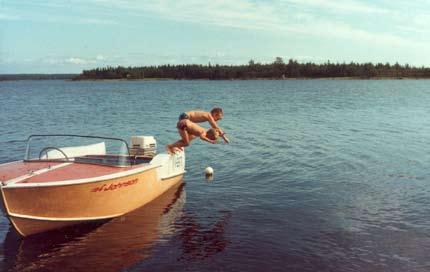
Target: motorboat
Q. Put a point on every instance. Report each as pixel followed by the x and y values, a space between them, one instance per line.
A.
pixel 66 179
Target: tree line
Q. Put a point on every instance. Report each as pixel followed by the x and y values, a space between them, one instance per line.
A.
pixel 278 69
pixel 5 77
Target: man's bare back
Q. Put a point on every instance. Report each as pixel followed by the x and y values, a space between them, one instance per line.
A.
pixel 199 116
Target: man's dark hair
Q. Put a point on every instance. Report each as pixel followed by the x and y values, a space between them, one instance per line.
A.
pixel 216 110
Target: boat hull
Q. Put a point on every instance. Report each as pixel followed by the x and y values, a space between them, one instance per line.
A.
pixel 36 209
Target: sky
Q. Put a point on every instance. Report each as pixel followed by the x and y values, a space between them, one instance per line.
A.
pixel 47 36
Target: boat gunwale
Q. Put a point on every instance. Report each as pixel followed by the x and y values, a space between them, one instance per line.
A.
pixel 133 171
pixel 11 162
pixel 73 161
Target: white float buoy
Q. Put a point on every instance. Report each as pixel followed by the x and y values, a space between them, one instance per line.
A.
pixel 209 171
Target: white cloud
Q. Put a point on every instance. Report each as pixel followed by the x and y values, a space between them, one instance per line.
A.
pixel 307 17
pixel 239 13
pixel 422 20
pixel 340 5
pixel 280 17
pixel 54 12
pixel 76 61
pixel 339 30
pixel 94 21
pixel 75 21
pixel 99 59
pixel 50 61
pixel 283 17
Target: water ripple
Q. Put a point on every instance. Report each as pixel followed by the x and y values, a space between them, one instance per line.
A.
pixel 320 175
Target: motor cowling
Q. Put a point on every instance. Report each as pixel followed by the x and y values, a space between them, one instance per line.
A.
pixel 143 146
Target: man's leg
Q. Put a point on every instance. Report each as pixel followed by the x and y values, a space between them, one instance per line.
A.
pixel 179 145
pixel 185 137
pixel 181 125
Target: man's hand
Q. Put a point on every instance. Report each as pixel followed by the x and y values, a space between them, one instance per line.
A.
pixel 226 140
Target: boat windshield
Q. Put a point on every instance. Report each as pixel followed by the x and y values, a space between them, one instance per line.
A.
pixel 79 149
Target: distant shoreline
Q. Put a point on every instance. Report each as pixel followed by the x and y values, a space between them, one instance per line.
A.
pixel 18 77
pixel 70 77
pixel 276 70
pixel 249 79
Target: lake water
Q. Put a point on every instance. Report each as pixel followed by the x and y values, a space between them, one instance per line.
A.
pixel 320 175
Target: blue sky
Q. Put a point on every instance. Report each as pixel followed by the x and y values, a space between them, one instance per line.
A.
pixel 47 36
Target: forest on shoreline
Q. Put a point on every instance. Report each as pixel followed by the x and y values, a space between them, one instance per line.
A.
pixel 276 70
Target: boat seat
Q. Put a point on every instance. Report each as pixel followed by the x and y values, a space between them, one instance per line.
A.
pixel 76 151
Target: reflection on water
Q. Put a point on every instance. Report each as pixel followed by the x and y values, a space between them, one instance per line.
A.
pixel 200 242
pixel 117 244
pixel 209 178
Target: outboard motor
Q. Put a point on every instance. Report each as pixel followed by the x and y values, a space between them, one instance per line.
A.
pixel 143 146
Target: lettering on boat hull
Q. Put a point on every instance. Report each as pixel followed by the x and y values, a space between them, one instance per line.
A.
pixel 114 186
